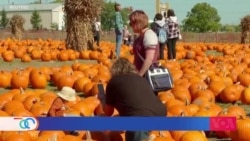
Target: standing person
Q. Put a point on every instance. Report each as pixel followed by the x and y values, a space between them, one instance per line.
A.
pixel 173 34
pixel 59 107
pixel 131 95
pixel 126 35
pixel 164 16
pixel 156 26
pixel 118 29
pixel 97 31
pixel 145 46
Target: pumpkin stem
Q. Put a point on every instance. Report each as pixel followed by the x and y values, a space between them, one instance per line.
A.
pixel 202 70
pixel 21 90
pixel 182 114
pixel 241 117
pixel 44 114
pixel 235 104
pixel 208 80
pixel 88 136
pixel 224 73
pixel 54 138
pixel 199 87
pixel 223 112
pixel 151 137
pixel 34 101
pixel 69 73
pixel 238 83
pixel 203 133
pixel 161 133
pixel 187 102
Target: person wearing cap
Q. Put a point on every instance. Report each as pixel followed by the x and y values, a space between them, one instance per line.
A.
pixel 58 106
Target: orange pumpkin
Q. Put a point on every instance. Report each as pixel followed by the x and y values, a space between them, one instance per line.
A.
pixel 245 96
pixel 26 58
pixel 242 129
pixel 194 136
pixel 38 79
pixel 8 56
pixel 87 106
pixel 80 82
pixel 16 136
pixel 5 79
pixel 20 79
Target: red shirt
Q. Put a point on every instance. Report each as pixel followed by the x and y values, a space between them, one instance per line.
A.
pixel 138 47
pixel 57 108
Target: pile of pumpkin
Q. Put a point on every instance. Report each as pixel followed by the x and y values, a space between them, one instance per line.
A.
pixel 53 50
pixel 201 81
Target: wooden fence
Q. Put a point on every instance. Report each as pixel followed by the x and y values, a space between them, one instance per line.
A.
pixel 187 37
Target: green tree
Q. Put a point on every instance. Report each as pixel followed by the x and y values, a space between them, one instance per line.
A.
pixel 237 28
pixel 230 28
pixel 202 18
pixel 125 14
pixel 108 14
pixel 54 26
pixel 4 20
pixel 35 20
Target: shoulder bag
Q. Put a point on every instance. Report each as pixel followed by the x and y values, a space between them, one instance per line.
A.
pixel 159 77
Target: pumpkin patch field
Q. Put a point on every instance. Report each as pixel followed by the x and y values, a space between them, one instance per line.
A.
pixel 210 79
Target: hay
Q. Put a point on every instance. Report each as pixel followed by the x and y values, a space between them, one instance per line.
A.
pixel 16 23
pixel 80 15
pixel 245 26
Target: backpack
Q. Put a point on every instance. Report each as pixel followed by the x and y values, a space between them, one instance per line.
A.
pixel 162 36
pixel 161 33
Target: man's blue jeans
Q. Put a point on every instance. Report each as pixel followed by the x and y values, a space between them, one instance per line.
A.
pixel 118 40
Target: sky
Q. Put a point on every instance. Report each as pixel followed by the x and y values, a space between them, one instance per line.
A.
pixel 230 11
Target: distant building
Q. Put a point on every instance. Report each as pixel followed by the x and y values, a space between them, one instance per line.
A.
pixel 50 14
pixel 161 7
